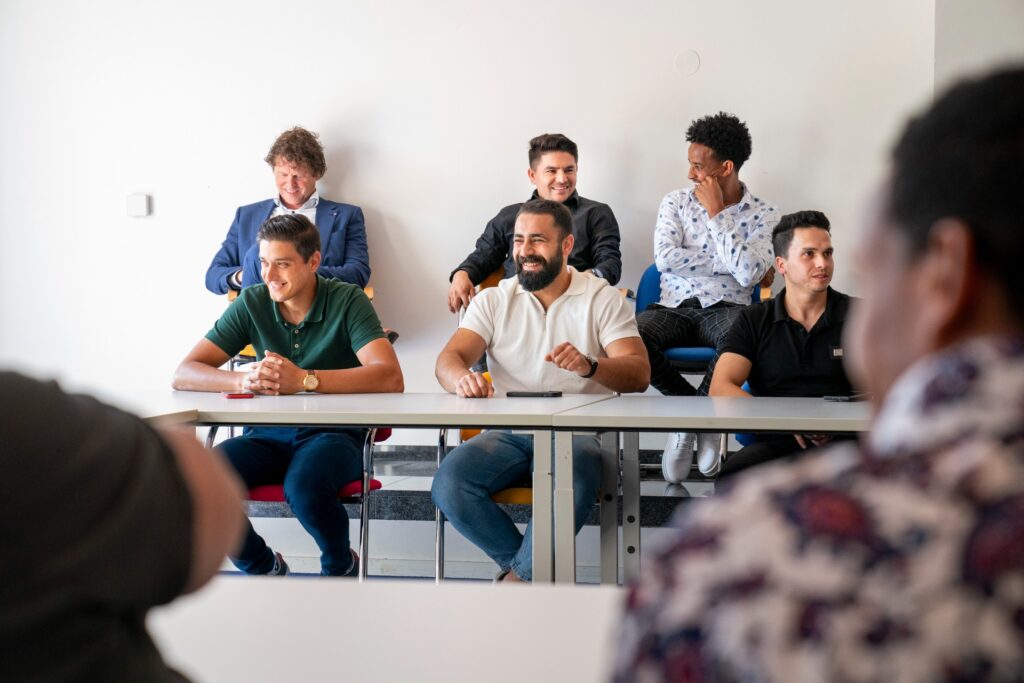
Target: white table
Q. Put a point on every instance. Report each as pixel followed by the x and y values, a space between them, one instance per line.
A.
pixel 438 410
pixel 633 414
pixel 252 629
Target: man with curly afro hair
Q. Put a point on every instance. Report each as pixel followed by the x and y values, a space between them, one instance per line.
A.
pixel 297 160
pixel 712 246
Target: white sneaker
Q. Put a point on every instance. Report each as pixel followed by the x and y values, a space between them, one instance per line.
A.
pixel 678 457
pixel 709 454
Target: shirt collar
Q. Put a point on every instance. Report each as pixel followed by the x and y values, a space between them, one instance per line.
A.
pixel 311 203
pixel 745 202
pixel 834 312
pixel 315 313
pixel 572 203
pixel 974 389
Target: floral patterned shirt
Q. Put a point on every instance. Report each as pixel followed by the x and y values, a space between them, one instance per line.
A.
pixel 713 259
pixel 900 560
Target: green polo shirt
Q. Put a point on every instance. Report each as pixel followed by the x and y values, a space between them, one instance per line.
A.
pixel 340 322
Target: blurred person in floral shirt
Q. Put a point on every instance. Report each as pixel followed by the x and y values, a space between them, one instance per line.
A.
pixel 901 559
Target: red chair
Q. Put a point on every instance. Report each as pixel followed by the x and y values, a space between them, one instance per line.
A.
pixel 350 494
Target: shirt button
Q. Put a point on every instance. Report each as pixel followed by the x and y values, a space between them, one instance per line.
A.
pixel 296 346
pixel 296 331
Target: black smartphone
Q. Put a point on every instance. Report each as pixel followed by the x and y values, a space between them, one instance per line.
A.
pixel 534 394
pixel 845 398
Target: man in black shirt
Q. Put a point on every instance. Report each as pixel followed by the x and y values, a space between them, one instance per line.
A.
pixel 790 345
pixel 553 164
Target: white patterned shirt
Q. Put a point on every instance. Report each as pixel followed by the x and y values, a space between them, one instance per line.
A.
pixel 713 259
pixel 899 560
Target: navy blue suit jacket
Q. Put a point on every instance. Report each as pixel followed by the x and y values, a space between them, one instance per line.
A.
pixel 342 245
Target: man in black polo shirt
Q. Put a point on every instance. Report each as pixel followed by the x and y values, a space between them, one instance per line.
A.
pixel 553 164
pixel 790 345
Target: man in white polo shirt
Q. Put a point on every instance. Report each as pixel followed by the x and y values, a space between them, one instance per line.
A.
pixel 551 328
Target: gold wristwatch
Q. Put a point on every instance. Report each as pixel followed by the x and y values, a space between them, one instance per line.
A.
pixel 310 382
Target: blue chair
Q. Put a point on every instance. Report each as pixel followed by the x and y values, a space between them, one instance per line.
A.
pixel 689 360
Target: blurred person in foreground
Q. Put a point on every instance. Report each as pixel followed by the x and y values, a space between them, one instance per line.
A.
pixel 903 558
pixel 101 518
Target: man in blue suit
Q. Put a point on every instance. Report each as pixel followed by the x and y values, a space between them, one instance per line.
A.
pixel 297 158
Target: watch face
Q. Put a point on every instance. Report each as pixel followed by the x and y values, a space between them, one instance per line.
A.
pixel 310 382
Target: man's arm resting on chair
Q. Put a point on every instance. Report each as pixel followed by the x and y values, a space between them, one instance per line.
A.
pixel 731 371
pixel 453 363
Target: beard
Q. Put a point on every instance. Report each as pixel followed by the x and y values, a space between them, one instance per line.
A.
pixel 540 279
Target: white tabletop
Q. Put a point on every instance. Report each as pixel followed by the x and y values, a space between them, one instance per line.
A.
pixel 310 629
pixel 386 410
pixel 693 413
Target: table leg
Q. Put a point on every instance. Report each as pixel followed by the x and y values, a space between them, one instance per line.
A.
pixel 631 505
pixel 565 513
pixel 610 508
pixel 543 564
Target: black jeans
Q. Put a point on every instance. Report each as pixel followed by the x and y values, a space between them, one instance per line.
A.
pixel 770 447
pixel 688 324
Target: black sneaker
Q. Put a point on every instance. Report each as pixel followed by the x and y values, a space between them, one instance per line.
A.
pixel 280 566
pixel 352 571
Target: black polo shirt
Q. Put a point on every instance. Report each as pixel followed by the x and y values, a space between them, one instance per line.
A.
pixel 786 359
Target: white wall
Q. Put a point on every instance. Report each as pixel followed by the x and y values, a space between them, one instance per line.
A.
pixel 972 36
pixel 425 110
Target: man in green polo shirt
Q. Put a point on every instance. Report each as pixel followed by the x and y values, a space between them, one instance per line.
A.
pixel 310 334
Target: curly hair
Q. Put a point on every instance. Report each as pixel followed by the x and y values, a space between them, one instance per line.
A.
pixel 964 158
pixel 551 142
pixel 725 135
pixel 782 233
pixel 299 146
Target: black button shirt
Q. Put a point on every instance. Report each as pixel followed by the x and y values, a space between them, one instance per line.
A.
pixel 786 359
pixel 593 225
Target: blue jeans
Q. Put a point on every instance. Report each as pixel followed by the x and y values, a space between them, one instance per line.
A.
pixel 313 464
pixel 497 460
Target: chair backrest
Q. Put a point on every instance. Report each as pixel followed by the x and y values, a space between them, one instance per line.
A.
pixel 649 290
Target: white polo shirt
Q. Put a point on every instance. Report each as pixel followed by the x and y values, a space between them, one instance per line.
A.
pixel 590 315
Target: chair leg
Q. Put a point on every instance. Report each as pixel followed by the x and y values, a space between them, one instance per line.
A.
pixel 210 435
pixel 364 507
pixel 609 506
pixel 442 438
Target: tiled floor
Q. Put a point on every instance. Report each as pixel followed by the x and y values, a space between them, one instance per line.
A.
pixel 402 524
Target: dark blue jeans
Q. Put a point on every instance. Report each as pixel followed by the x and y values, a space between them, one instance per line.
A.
pixel 313 464
pixel 496 460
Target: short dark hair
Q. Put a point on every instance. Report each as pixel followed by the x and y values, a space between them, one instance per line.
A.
pixel 723 134
pixel 782 234
pixel 547 207
pixel 299 146
pixel 294 228
pixel 963 158
pixel 551 142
